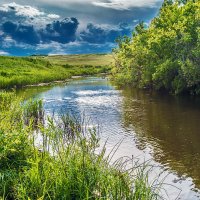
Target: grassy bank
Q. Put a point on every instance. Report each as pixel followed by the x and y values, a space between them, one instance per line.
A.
pixel 64 165
pixel 18 72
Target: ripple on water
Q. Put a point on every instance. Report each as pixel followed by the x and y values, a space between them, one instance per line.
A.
pixel 143 125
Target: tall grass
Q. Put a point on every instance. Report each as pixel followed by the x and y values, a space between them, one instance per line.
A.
pixel 65 164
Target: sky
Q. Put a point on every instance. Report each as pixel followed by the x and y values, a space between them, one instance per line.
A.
pixel 52 27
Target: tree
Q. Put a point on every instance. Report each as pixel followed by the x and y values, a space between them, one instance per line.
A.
pixel 166 55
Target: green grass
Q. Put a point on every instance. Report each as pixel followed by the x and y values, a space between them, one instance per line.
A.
pixel 16 72
pixel 82 59
pixel 65 165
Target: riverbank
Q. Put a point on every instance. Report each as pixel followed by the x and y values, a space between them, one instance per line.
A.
pixel 17 72
pixel 64 164
pixel 145 120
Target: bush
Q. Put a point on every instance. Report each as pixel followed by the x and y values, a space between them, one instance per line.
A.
pixel 166 54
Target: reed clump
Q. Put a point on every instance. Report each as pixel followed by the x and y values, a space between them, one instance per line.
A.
pixel 46 158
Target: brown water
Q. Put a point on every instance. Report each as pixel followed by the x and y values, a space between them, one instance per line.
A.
pixel 162 128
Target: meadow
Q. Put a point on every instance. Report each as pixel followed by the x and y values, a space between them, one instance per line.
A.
pixel 82 59
pixel 16 72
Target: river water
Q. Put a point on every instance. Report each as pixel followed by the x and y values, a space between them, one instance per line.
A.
pixel 159 128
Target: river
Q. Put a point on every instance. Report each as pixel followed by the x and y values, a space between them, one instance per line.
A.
pixel 159 128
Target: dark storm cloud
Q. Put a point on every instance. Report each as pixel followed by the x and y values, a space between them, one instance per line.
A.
pixel 93 34
pixel 60 31
pixel 21 33
pixel 100 35
pixel 88 25
pixel 28 27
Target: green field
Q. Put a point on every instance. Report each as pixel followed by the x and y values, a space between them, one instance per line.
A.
pixel 82 59
pixel 16 72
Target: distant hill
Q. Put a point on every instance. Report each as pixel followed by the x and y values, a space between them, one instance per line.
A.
pixel 81 59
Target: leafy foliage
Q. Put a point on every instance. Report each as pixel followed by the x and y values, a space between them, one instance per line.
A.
pixel 166 55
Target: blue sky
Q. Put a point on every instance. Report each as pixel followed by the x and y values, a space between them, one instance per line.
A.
pixel 69 26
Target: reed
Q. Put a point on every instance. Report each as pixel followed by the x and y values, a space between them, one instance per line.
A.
pixel 65 163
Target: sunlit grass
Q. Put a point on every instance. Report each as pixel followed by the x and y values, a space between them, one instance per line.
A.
pixel 82 59
pixel 65 164
pixel 18 72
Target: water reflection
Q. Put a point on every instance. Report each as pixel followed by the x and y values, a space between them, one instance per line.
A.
pixel 170 124
pixel 158 127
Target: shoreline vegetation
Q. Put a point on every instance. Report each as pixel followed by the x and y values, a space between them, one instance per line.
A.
pixel 64 163
pixel 164 55
pixel 17 72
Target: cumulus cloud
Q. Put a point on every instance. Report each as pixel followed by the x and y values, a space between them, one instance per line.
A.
pixel 19 25
pixel 21 10
pixel 21 33
pixel 29 28
pixel 125 4
pixel 74 48
pixel 60 31
pixel 3 53
pixel 28 25
pixel 25 14
pixel 53 16
pixel 101 34
pixel 112 4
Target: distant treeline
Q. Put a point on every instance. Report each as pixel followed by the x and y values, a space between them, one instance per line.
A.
pixel 166 54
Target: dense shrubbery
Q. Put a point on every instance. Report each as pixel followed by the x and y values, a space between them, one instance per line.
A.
pixel 64 164
pixel 166 55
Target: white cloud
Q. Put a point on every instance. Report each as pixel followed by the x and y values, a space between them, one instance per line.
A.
pixel 112 4
pixel 135 20
pixel 3 53
pixel 64 2
pixel 28 14
pixel 58 47
pixel 7 42
pixel 125 4
pixel 21 10
pixel 53 16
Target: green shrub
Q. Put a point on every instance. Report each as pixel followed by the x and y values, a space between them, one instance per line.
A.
pixel 166 54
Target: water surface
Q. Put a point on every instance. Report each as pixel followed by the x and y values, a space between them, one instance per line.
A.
pixel 162 128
